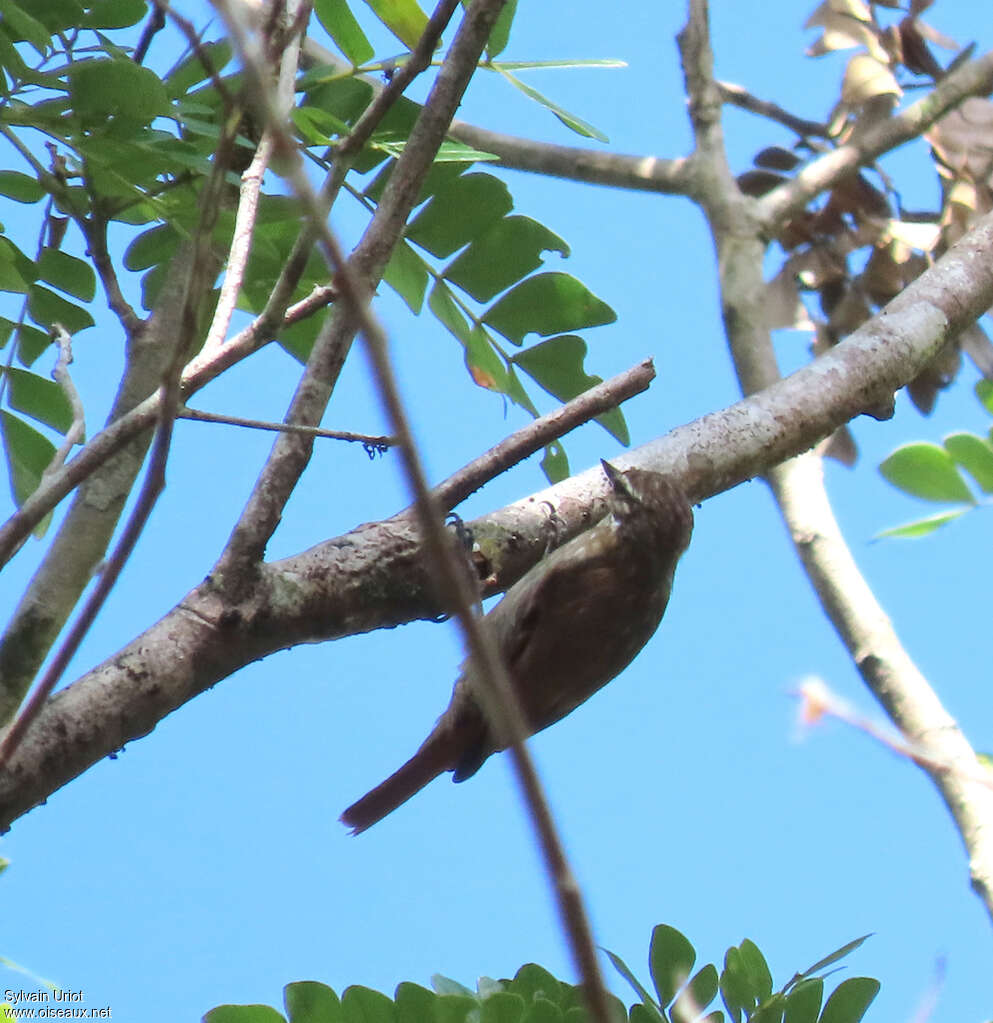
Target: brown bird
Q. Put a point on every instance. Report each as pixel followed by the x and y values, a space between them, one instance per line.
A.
pixel 565 629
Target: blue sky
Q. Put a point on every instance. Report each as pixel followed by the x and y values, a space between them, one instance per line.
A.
pixel 206 865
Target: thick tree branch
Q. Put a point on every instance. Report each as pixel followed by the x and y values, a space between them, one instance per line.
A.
pixel 798 483
pixel 374 577
pixel 885 666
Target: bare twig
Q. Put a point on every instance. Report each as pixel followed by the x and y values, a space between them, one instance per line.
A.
pixel 817 701
pixel 741 97
pixel 241 246
pixel 377 442
pixel 597 400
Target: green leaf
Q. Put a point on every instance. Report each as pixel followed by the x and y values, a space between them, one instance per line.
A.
pixel 502 1007
pixel 363 1005
pixel 116 90
pixel 484 363
pixel 503 255
pixel 191 70
pixel 69 274
pixel 547 303
pixel 11 278
pixel 975 455
pixel 571 121
pixel 557 365
pixel 307 1001
pixel 22 25
pixel 459 213
pixel 923 527
pixel 244 1014
pixel 28 455
pixel 57 15
pixel 446 986
pixel 555 464
pixel 414 1003
pixel 984 392
pixel 849 1000
pixel 926 471
pixel 443 305
pixel 47 309
pixel 402 17
pixel 736 989
pixel 697 995
pixel 832 958
pixel 39 398
pixel 670 960
pixel 625 971
pixel 454 1008
pixel 20 187
pixel 803 1003
pixel 340 24
pixel 759 976
pixel 114 13
pixel 151 248
pixel 500 33
pixel 532 981
pixel 31 342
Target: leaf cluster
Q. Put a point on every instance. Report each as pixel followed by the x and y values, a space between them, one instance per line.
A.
pixel 535 996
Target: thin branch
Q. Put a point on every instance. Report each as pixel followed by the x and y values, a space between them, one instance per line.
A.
pixel 241 246
pixel 533 437
pixel 95 232
pixel 151 489
pixel 116 435
pixel 370 441
pixel 740 97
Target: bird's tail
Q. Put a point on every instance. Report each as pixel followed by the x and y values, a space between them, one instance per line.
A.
pixel 432 759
